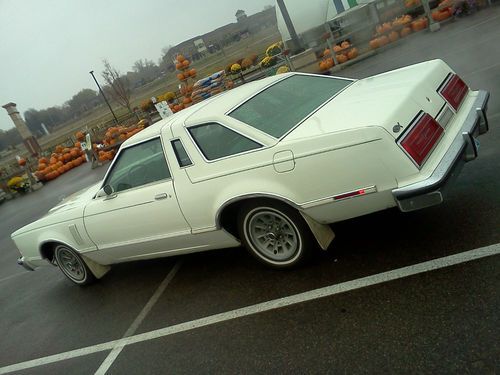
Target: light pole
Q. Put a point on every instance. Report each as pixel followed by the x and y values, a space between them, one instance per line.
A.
pixel 104 96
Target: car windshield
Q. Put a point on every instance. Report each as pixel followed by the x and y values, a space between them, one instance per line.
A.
pixel 283 105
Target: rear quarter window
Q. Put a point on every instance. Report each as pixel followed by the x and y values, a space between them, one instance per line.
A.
pixel 216 141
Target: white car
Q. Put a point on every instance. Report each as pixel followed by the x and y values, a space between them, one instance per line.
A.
pixel 268 165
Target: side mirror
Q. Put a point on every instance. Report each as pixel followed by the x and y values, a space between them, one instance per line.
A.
pixel 106 190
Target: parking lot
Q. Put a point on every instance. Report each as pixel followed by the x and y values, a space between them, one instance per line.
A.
pixel 396 293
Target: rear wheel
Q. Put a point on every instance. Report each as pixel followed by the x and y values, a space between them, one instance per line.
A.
pixel 72 265
pixel 274 233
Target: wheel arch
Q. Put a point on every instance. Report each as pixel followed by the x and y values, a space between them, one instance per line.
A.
pixel 230 208
pixel 323 233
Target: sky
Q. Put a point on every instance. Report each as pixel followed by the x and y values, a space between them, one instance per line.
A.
pixel 48 47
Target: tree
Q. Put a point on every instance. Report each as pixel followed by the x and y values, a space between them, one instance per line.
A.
pixel 83 101
pixel 118 86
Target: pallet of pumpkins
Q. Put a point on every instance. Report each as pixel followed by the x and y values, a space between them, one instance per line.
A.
pixel 114 136
pixel 343 52
pixel 400 27
pixel 60 161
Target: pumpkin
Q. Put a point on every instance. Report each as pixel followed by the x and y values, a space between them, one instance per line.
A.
pixel 192 73
pixel 21 162
pixel 185 63
pixel 330 63
pixel 383 40
pixel 393 36
pixel 341 58
pixel 67 157
pixel 180 58
pixel 42 166
pixel 246 63
pixel 178 66
pixel 352 54
pixel 322 65
pixel 337 48
pixel 327 52
pixel 374 43
pixel 79 136
pixel 43 161
pixel 59 149
pixel 186 100
pixel 180 77
pixel 345 44
pixel 405 31
pixel 53 160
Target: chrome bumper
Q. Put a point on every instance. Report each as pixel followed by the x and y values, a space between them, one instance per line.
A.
pixel 463 149
pixel 26 265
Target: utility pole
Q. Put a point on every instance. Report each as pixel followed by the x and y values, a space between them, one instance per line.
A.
pixel 104 96
pixel 289 25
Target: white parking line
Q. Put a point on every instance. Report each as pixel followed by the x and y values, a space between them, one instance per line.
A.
pixel 137 322
pixel 383 277
pixel 12 276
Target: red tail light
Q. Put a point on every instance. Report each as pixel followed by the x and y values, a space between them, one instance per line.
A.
pixel 454 91
pixel 419 141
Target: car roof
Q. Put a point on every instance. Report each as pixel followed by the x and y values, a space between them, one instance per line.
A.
pixel 209 108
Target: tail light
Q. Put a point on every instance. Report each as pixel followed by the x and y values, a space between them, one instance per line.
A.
pixel 453 90
pixel 421 138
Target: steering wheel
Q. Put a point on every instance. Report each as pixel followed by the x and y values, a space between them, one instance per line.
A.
pixel 137 175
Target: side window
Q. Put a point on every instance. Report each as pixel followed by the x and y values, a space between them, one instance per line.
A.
pixel 216 141
pixel 180 153
pixel 138 165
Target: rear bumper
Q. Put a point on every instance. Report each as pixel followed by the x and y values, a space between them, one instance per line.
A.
pixel 463 149
pixel 25 264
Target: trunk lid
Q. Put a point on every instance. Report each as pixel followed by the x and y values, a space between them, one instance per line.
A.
pixel 389 100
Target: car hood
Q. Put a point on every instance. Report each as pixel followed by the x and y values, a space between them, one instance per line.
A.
pixel 385 100
pixel 70 208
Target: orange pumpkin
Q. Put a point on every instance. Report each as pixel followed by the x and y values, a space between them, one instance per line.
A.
pixel 393 36
pixel 181 77
pixel 405 31
pixel 374 43
pixel 79 136
pixel 330 63
pixel 43 161
pixel 192 72
pixel 341 58
pixel 345 44
pixel 78 145
pixel 186 63
pixel 352 54
pixel 337 48
pixel 327 52
pixel 383 40
pixel 42 166
pixel 178 66
pixel 186 100
pixel 180 58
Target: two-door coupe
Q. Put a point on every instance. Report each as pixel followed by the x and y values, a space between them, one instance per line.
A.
pixel 268 165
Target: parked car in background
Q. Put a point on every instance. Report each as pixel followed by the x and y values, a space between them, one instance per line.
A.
pixel 268 165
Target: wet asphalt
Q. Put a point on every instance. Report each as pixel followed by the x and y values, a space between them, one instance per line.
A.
pixel 444 321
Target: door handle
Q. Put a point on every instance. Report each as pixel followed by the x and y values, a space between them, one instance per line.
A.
pixel 161 196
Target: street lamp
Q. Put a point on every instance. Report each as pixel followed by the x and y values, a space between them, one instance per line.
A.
pixel 104 96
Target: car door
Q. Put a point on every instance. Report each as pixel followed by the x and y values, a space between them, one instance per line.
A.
pixel 142 217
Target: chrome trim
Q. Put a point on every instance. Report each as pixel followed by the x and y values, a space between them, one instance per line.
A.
pixel 76 234
pixel 251 196
pixel 25 264
pixel 331 199
pixel 228 113
pixel 454 158
pixel 263 147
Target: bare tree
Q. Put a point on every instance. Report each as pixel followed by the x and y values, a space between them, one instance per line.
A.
pixel 119 86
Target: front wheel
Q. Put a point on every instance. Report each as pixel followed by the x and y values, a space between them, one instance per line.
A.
pixel 73 266
pixel 274 233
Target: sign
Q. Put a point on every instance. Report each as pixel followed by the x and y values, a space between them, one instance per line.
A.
pixel 163 109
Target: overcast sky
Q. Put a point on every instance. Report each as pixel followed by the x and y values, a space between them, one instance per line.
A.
pixel 48 47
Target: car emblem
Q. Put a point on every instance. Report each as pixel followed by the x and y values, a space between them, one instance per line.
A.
pixel 397 128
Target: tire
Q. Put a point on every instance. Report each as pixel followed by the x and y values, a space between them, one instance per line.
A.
pixel 285 245
pixel 72 265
